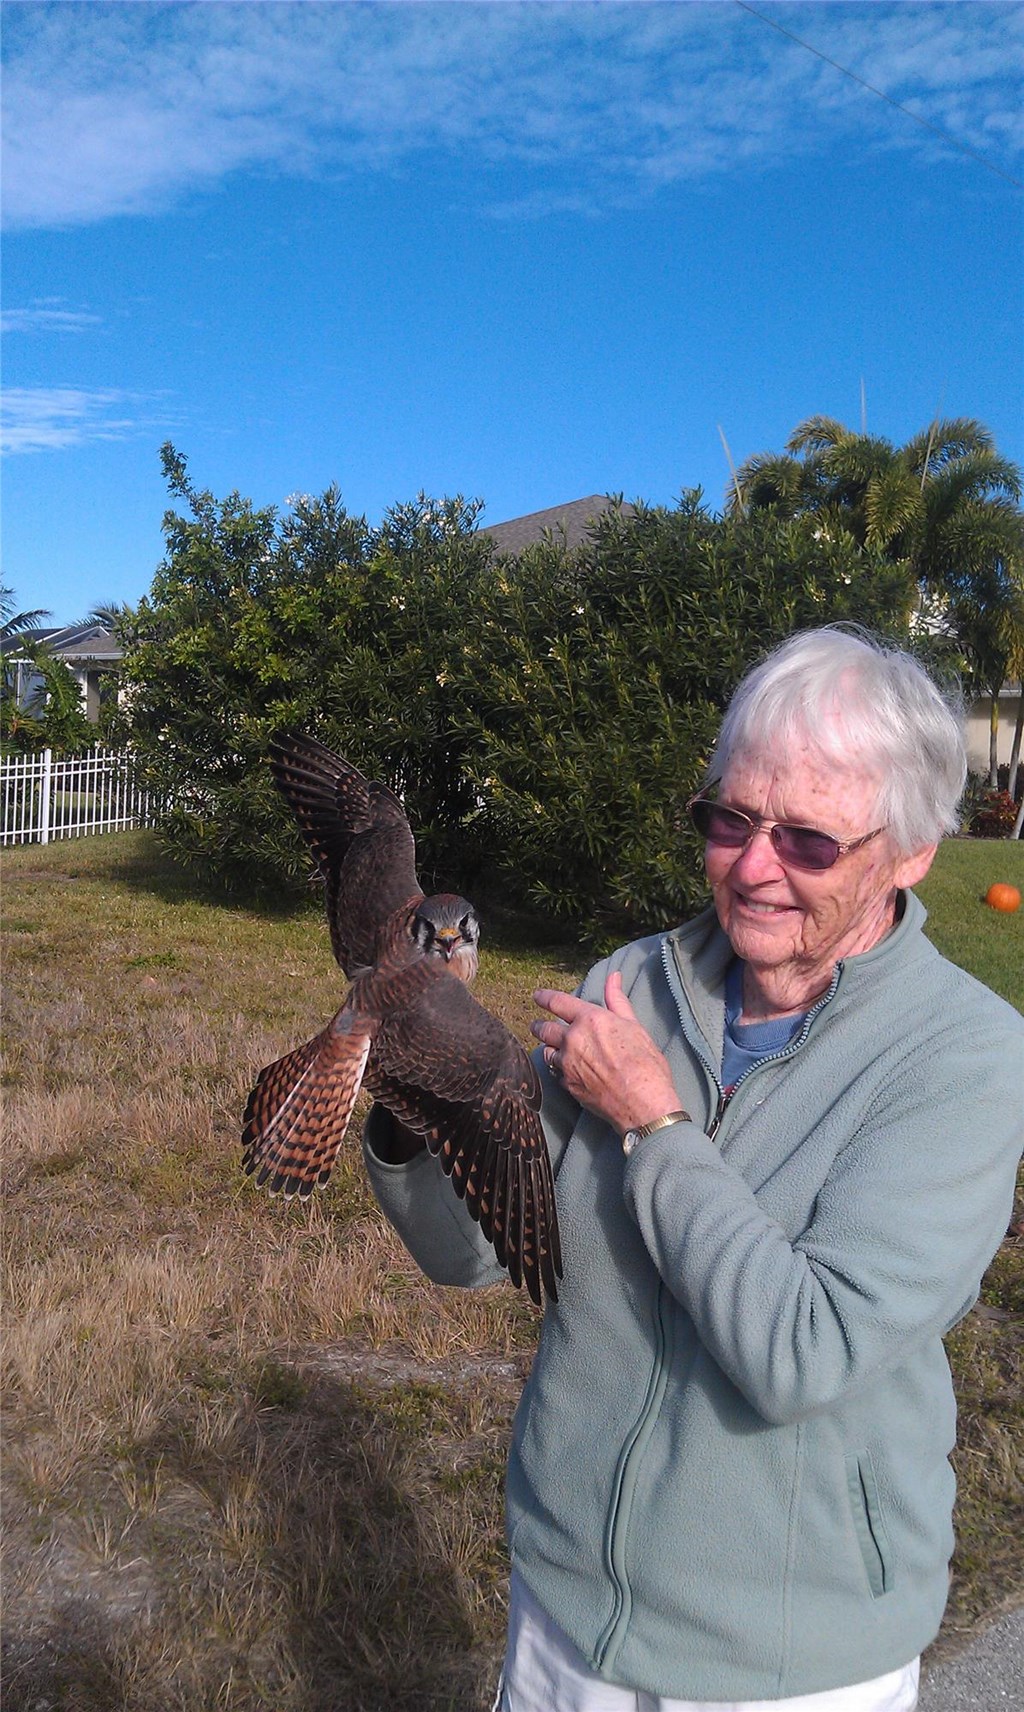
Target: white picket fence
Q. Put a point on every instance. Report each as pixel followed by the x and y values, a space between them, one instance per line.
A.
pixel 46 796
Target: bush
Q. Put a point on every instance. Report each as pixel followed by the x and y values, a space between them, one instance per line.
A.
pixel 315 623
pixel 995 816
pixel 544 717
pixel 55 718
pixel 599 679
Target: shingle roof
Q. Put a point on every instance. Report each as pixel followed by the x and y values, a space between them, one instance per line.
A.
pixel 77 642
pixel 566 522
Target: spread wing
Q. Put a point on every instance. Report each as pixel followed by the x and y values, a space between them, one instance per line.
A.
pixel 360 838
pixel 452 1072
pixel 298 1112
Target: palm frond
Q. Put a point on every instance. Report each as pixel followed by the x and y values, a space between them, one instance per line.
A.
pixel 946 439
pixel 892 504
pixel 817 434
pixel 107 613
pixel 771 479
pixel 13 623
pixel 975 476
pixel 859 459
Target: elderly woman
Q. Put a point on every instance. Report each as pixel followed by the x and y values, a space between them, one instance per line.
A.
pixel 785 1138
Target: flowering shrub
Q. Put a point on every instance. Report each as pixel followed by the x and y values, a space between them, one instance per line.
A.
pixel 995 816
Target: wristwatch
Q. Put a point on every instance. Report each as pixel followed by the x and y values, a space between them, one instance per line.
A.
pixel 632 1136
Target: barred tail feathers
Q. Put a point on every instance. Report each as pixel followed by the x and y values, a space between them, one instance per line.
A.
pixel 299 1111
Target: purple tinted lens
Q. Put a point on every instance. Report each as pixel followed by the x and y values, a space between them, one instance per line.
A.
pixel 804 847
pixel 801 846
pixel 721 825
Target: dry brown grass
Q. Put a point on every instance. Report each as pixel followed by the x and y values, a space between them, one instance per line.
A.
pixel 252 1459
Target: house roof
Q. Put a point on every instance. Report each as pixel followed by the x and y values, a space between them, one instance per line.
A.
pixel 570 522
pixel 76 643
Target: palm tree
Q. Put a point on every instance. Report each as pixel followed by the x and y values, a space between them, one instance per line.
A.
pixel 946 503
pixel 985 613
pixel 14 623
pixel 897 499
pixel 108 613
pixel 1017 671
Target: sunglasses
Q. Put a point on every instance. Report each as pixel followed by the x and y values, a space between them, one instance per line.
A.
pixel 796 846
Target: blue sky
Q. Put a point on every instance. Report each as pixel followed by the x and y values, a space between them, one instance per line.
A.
pixel 520 252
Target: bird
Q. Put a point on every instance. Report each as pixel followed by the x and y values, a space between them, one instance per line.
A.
pixel 409 1031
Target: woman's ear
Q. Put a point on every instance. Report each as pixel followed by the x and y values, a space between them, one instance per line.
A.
pixel 914 868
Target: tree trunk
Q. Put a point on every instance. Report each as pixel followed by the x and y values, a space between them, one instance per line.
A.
pixel 1018 733
pixel 993 743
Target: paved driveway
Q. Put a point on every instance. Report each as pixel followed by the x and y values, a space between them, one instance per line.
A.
pixel 988 1676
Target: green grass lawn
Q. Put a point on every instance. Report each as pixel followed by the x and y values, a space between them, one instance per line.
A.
pixel 982 940
pixel 252 1458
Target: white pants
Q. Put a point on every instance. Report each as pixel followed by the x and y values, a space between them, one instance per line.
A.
pixel 543 1672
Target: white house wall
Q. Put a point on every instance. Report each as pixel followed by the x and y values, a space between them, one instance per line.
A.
pixel 978 728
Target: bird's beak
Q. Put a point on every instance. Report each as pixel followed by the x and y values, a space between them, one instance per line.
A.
pixel 449 942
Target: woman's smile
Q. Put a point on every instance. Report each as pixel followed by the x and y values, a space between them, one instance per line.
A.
pixel 759 906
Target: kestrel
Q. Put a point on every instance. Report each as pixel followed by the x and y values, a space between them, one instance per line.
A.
pixel 409 1031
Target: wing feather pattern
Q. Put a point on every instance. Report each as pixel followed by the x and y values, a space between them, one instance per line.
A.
pixel 360 838
pixel 299 1110
pixel 451 1072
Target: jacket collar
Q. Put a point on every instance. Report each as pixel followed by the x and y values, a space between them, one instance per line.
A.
pixel 700 954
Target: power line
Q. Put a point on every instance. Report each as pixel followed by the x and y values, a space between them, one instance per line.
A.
pixel 926 124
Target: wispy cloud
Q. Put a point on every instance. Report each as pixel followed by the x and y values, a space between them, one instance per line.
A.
pixel 51 418
pixel 47 316
pixel 125 109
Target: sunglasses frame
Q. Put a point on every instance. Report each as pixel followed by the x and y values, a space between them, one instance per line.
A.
pixel 756 825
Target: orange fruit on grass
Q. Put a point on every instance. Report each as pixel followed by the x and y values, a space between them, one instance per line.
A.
pixel 1003 896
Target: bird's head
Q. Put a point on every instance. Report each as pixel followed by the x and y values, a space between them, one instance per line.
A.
pixel 446 926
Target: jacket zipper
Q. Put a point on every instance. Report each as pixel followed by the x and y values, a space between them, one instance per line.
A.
pixel 716 1122
pixel 618 1521
pixel 785 1051
pixel 621 1507
pixel 695 1040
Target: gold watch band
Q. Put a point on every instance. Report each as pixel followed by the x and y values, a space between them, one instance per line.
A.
pixel 632 1136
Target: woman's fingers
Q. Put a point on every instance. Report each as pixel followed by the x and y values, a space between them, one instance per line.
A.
pixel 566 1006
pixel 603 1055
pixel 616 1001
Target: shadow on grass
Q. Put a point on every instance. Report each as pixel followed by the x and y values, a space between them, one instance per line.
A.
pixel 377 1585
pixel 318 1555
pixel 144 865
pixel 140 863
pixel 69 1665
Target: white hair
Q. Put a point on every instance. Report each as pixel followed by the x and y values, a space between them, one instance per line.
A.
pixel 863 705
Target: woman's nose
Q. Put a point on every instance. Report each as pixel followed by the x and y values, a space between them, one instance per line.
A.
pixel 758 858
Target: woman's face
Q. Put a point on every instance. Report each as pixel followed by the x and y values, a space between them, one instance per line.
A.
pixel 787 920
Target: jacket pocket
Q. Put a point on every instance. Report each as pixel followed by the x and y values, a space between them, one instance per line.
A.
pixel 868 1524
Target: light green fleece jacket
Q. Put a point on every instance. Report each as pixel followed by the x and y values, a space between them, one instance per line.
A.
pixel 729 1476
